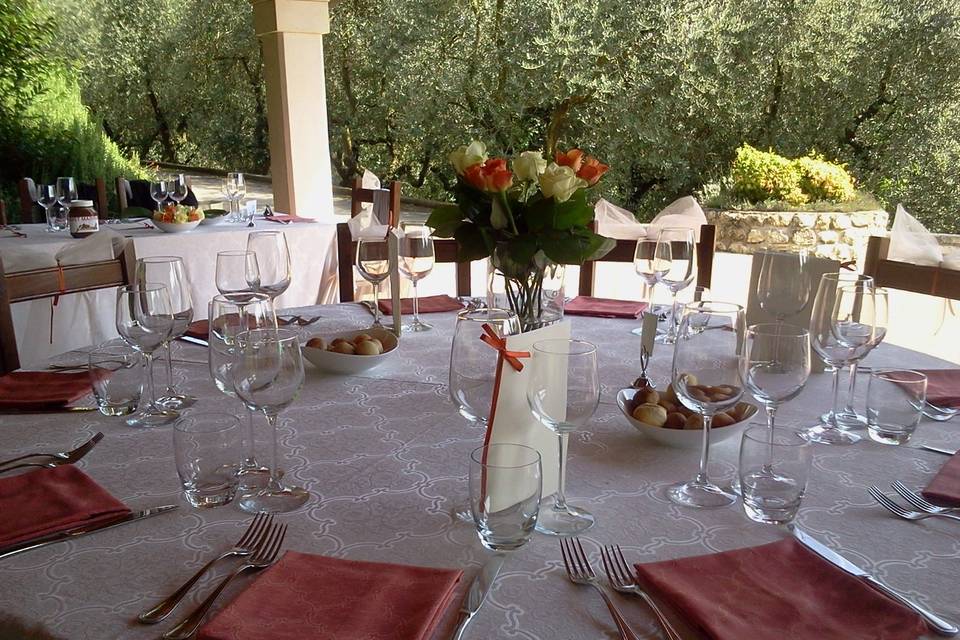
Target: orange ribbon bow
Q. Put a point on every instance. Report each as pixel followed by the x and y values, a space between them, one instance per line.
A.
pixel 491 337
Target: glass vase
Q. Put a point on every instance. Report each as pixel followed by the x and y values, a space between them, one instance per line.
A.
pixel 533 290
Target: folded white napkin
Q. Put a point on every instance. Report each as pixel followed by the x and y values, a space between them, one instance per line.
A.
pixel 683 213
pixel 374 217
pixel 911 242
pixel 615 222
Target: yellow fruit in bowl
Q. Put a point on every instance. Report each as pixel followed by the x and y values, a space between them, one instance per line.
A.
pixel 652 414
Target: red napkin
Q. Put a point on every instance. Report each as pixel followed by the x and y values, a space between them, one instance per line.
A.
pixel 603 307
pixel 944 489
pixel 38 390
pixel 199 329
pixel 775 591
pixel 305 596
pixel 943 387
pixel 50 500
pixel 429 304
pixel 286 217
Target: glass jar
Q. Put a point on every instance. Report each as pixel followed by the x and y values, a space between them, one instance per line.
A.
pixel 83 218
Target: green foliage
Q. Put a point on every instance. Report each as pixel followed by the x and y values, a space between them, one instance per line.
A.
pixel 761 175
pixel 822 180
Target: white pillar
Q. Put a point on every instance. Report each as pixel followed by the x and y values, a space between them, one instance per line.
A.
pixel 291 32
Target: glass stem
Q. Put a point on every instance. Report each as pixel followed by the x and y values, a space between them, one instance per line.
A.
pixel 376 303
pixel 274 469
pixel 851 386
pixel 251 459
pixel 705 449
pixel 674 320
pixel 416 304
pixel 560 502
pixel 148 375
pixel 771 419
pixel 170 390
pixel 832 416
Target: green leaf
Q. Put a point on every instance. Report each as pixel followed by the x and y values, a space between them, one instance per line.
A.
pixel 498 215
pixel 573 213
pixel 575 247
pixel 539 215
pixel 444 220
pixel 472 243
pixel 522 249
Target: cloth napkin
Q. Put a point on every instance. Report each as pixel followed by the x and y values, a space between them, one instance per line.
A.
pixel 943 387
pixel 199 329
pixel 307 597
pixel 288 217
pixel 775 591
pixel 38 390
pixel 429 304
pixel 603 307
pixel 944 489
pixel 50 500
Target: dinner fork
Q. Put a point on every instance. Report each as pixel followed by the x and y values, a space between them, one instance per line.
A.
pixel 580 572
pixel 254 536
pixel 264 556
pixel 917 501
pixel 66 456
pixel 906 514
pixel 621 579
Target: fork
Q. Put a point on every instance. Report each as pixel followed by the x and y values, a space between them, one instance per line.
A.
pixel 264 556
pixel 254 535
pixel 621 579
pixel 67 456
pixel 917 501
pixel 906 514
pixel 580 572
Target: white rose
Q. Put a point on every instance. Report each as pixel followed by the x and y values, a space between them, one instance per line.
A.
pixel 468 155
pixel 529 165
pixel 560 182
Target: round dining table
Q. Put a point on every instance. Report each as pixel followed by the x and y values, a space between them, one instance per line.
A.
pixel 385 457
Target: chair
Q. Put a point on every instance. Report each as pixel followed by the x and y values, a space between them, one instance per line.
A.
pixel 48 282
pixel 930 280
pixel 624 251
pixel 136 193
pixel 29 211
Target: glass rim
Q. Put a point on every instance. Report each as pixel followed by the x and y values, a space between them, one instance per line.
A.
pixel 684 229
pixel 477 455
pixel 109 348
pixel 145 287
pixel 541 346
pixel 488 313
pixel 263 232
pixel 284 335
pixel 837 275
pixel 760 433
pixel 885 373
pixel 775 328
pixel 236 252
pixel 160 259
pixel 230 421
pixel 716 306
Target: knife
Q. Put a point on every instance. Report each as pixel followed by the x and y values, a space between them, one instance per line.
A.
pixel 478 592
pixel 192 340
pixel 76 532
pixel 938 624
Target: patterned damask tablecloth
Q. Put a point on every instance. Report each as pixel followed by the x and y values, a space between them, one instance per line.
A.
pixel 385 457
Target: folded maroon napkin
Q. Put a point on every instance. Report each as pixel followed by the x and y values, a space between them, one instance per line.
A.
pixel 603 307
pixel 286 217
pixel 943 387
pixel 306 597
pixel 944 489
pixel 775 591
pixel 38 390
pixel 50 500
pixel 429 304
pixel 199 329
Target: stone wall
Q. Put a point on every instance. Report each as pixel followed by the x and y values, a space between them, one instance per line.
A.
pixel 839 236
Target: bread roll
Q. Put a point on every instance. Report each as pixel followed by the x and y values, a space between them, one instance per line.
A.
pixel 722 419
pixel 693 421
pixel 646 396
pixel 368 348
pixel 652 414
pixel 675 420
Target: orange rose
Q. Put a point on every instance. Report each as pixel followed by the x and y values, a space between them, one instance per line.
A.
pixel 572 159
pixel 491 175
pixel 592 170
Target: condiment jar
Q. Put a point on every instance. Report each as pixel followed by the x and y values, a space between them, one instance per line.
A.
pixel 83 218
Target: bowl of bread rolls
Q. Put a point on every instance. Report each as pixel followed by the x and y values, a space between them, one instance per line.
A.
pixel 659 415
pixel 350 352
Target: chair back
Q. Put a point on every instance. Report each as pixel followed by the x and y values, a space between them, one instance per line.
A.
pixel 136 193
pixel 30 211
pixel 927 279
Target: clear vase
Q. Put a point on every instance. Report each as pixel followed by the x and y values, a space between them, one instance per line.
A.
pixel 533 290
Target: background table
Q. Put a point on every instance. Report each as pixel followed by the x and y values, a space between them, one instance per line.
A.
pixel 385 457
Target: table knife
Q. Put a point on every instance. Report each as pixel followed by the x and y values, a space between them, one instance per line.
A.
pixel 76 532
pixel 192 340
pixel 946 452
pixel 938 624
pixel 478 593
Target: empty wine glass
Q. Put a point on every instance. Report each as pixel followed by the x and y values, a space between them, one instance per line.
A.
pixel 707 378
pixel 273 261
pixel 158 192
pixel 680 274
pixel 47 198
pixel 177 188
pixel 416 262
pixel 268 378
pixel 238 275
pixel 66 193
pixel 651 259
pixel 373 264
pixel 144 321
pixel 783 289
pixel 849 418
pixel 236 188
pixel 563 393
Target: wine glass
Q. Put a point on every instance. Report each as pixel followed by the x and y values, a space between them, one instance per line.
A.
pixel 416 262
pixel 707 378
pixel 563 393
pixel 651 259
pixel 273 261
pixel 849 418
pixel 145 321
pixel 172 273
pixel 236 190
pixel 373 264
pixel 66 193
pixel 682 270
pixel 228 319
pixel 178 189
pixel 782 287
pixel 47 198
pixel 268 377
pixel 238 274
pixel 158 193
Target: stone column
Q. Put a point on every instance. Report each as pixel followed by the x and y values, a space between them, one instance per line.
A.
pixel 291 32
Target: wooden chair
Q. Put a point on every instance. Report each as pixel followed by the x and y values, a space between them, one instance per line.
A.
pixel 136 193
pixel 624 251
pixel 933 281
pixel 29 212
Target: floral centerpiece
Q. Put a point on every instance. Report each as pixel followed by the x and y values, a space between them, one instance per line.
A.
pixel 530 219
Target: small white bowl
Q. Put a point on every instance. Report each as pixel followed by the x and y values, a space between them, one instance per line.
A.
pixel 346 364
pixel 212 220
pixel 173 227
pixel 679 438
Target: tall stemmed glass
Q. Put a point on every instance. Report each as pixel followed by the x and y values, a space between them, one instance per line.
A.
pixel 268 378
pixel 66 192
pixel 651 259
pixel 783 288
pixel 228 319
pixel 172 273
pixel 273 261
pixel 848 418
pixel 145 321
pixel 47 198
pixel 373 264
pixel 416 262
pixel 563 393
pixel 177 188
pixel 158 192
pixel 236 188
pixel 682 271
pixel 238 274
pixel 708 378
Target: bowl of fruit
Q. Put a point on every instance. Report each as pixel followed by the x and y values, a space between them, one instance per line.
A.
pixel 659 415
pixel 176 218
pixel 351 352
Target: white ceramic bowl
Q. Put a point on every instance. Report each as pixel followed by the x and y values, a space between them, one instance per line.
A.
pixel 172 227
pixel 679 438
pixel 212 220
pixel 346 364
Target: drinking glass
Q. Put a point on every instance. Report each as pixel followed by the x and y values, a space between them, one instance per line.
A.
pixel 206 448
pixel 682 270
pixel 228 319
pixel 273 261
pixel 66 193
pixel 776 365
pixel 708 378
pixel 145 321
pixel 172 273
pixel 782 286
pixel 236 190
pixel 373 264
pixel 238 274
pixel 774 468
pixel 116 379
pixel 268 378
pixel 178 189
pixel 848 418
pixel 158 193
pixel 416 262
pixel 505 486
pixel 895 400
pixel 563 392
pixel 47 198
pixel 651 259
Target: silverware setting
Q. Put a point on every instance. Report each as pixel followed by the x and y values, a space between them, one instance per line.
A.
pixel 300 321
pixel 940 414
pixel 918 501
pixel 579 571
pixel 904 513
pixel 926 447
pixel 621 578
pixel 477 593
pixel 55 459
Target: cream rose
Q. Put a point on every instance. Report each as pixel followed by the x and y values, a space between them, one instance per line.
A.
pixel 468 155
pixel 529 165
pixel 560 182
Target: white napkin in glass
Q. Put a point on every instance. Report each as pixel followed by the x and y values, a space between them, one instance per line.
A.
pixel 911 242
pixel 684 213
pixel 374 217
